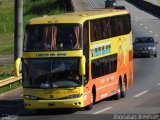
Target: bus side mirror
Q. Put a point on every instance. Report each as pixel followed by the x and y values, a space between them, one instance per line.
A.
pixel 17 66
pixel 82 63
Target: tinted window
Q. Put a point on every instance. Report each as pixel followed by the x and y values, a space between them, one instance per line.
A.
pixel 86 47
pixel 57 72
pixel 110 27
pixel 52 37
pixel 104 66
pixel 144 40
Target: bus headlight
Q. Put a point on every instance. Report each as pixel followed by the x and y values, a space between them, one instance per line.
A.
pixel 73 96
pixel 151 48
pixel 29 97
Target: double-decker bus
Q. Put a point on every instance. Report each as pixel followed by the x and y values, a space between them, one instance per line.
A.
pixel 76 59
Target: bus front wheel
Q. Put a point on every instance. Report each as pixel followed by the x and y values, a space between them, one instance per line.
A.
pixel 90 106
pixel 40 111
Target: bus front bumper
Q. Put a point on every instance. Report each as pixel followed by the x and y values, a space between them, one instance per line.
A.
pixel 49 104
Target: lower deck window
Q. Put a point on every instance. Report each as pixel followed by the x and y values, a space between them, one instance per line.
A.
pixel 104 66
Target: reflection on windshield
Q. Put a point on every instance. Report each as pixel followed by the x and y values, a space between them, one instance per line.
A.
pixel 52 37
pixel 144 40
pixel 47 73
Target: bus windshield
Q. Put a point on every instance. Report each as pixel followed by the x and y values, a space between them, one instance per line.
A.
pixel 51 73
pixel 52 37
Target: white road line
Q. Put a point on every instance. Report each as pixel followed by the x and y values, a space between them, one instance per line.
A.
pixel 158 84
pixel 141 24
pixel 151 31
pixel 146 27
pixel 156 35
pixel 139 94
pixel 100 111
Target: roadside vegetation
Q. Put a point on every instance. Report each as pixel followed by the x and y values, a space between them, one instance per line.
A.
pixel 6 26
pixel 6 36
pixel 32 8
pixel 6 70
pixel 10 87
pixel 158 2
pixel 35 8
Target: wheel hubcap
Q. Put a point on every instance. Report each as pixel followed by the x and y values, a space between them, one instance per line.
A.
pixel 124 87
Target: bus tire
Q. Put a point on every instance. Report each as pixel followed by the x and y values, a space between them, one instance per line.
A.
pixel 123 90
pixel 90 106
pixel 118 95
pixel 155 55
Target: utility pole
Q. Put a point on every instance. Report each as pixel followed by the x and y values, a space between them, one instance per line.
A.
pixel 18 28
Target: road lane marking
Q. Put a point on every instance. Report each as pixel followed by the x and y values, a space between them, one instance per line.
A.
pixel 151 31
pixel 156 35
pixel 146 27
pixel 100 111
pixel 140 94
pixel 158 84
pixel 141 24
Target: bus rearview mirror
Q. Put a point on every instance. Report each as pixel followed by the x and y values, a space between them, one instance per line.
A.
pixel 82 70
pixel 18 66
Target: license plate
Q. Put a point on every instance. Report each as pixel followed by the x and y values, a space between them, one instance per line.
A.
pixel 51 104
pixel 144 51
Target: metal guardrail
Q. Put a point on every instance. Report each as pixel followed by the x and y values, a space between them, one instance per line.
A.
pixel 10 80
pixel 81 5
pixel 154 9
pixel 72 5
pixel 154 2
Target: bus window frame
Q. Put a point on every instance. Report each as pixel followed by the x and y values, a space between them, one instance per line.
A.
pixel 80 39
pixel 111 21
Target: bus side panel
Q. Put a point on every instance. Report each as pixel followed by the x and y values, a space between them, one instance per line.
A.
pixel 125 59
pixel 130 76
pixel 106 86
pixel 87 92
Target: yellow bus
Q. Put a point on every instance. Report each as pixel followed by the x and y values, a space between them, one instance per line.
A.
pixel 76 59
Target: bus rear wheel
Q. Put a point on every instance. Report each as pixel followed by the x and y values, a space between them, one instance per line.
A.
pixel 118 95
pixel 123 90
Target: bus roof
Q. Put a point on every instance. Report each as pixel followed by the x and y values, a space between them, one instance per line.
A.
pixel 76 17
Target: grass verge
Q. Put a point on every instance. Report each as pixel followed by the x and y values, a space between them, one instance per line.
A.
pixel 10 87
pixel 6 70
pixel 6 26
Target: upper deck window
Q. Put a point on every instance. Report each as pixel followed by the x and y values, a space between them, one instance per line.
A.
pixel 52 37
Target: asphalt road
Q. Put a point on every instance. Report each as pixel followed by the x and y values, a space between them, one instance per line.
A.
pixel 143 97
pixel 155 2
